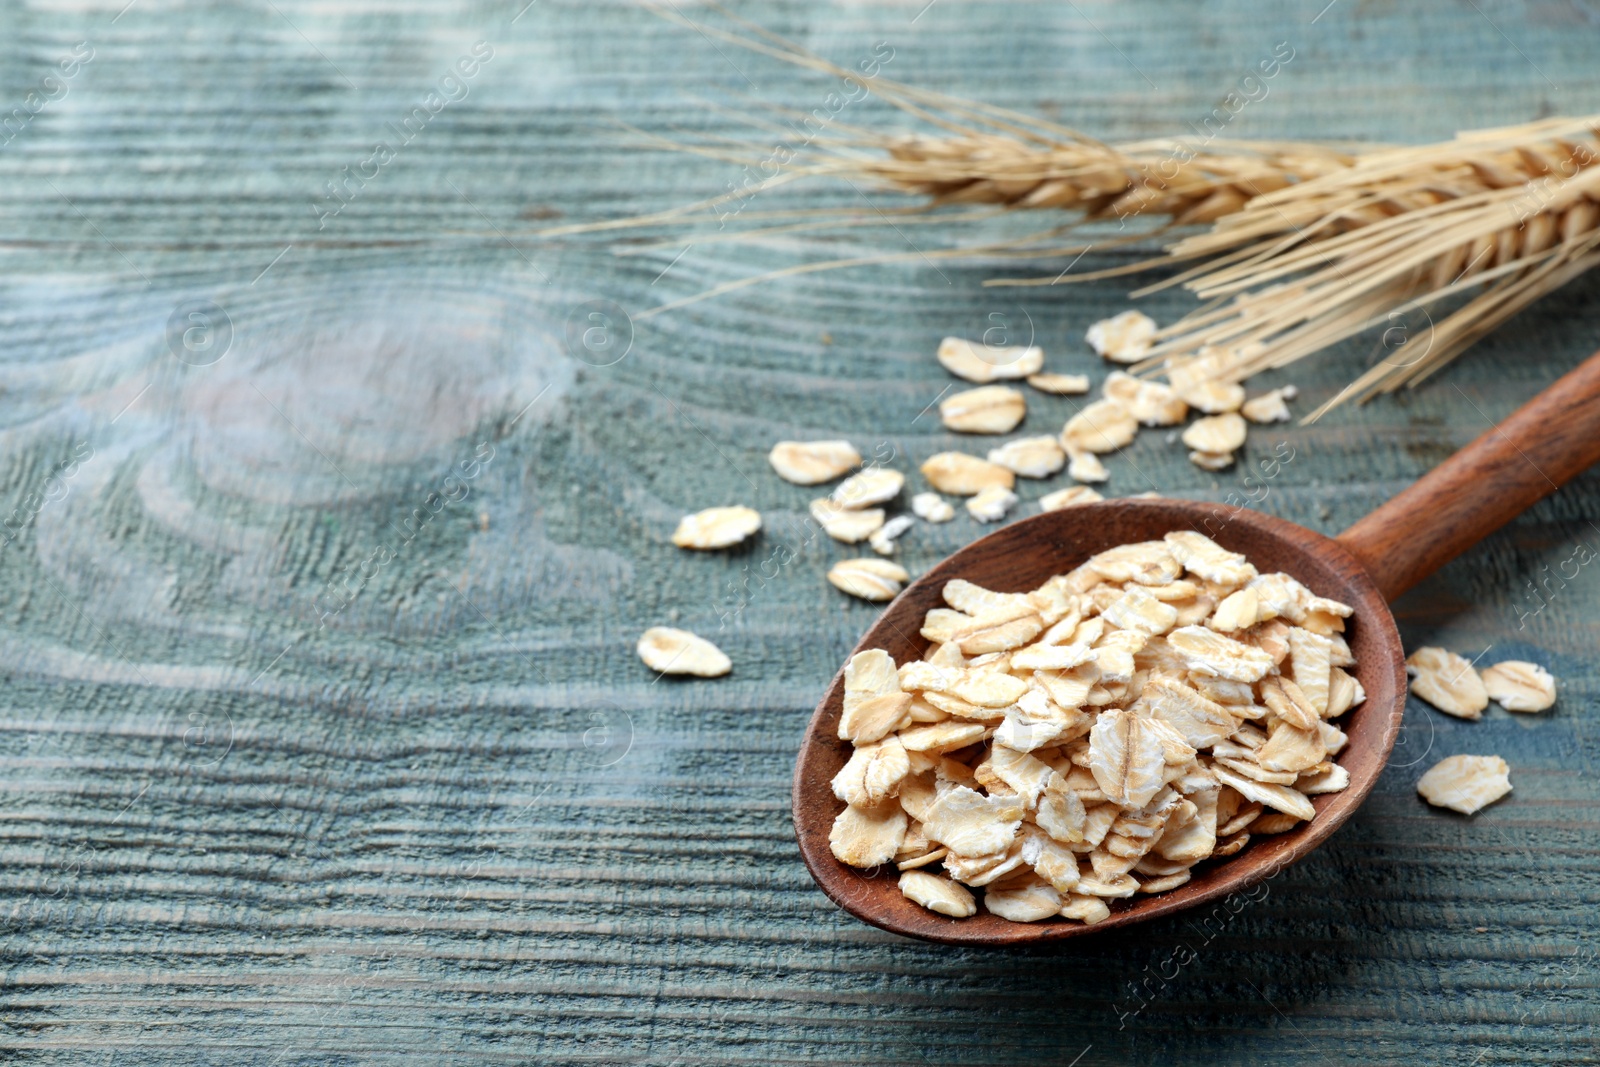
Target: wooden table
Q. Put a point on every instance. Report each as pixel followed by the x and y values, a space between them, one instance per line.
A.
pixel 323 736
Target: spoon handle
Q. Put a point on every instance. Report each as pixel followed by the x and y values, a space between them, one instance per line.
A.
pixel 1544 444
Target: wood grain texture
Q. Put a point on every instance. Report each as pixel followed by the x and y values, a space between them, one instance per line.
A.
pixel 1542 446
pixel 293 774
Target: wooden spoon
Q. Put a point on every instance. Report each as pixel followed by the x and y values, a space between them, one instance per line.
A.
pixel 1540 447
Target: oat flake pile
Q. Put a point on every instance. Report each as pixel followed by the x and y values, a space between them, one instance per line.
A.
pixel 1095 738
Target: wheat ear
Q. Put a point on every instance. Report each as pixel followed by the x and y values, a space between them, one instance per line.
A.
pixel 1497 217
pixel 1100 180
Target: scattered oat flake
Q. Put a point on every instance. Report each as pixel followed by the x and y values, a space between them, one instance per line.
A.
pixel 1213 398
pixel 1214 363
pixel 671 651
pixel 1120 385
pixel 959 474
pixel 813 462
pixel 716 527
pixel 1268 407
pixel 981 363
pixel 869 579
pixel 932 507
pixel 1157 405
pixel 1517 685
pixel 1448 682
pixel 1215 433
pixel 1151 403
pixel 1086 467
pixel 1209 381
pixel 846 524
pixel 1103 426
pixel 991 504
pixel 1060 384
pixel 991 409
pixel 1031 457
pixel 1465 783
pixel 1124 338
pixel 877 485
pixel 1212 461
pixel 1072 496
pixel 883 539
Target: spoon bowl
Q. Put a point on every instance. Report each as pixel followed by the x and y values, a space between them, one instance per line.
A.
pixel 1022 557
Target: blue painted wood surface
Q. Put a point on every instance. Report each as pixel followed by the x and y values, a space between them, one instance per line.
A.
pixel 322 737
